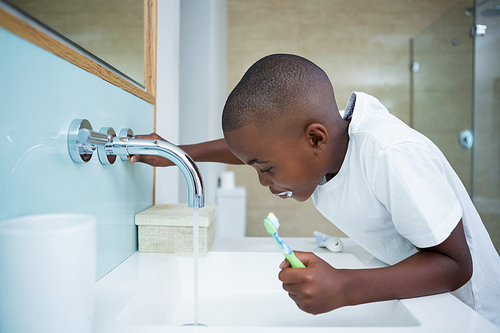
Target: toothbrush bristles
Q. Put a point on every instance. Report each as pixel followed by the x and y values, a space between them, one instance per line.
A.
pixel 274 220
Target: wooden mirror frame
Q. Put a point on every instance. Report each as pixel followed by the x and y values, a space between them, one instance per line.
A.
pixel 79 57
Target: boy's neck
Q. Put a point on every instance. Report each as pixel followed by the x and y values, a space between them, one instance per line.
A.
pixel 339 150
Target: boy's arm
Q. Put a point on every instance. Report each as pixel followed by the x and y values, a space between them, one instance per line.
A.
pixel 321 288
pixel 210 151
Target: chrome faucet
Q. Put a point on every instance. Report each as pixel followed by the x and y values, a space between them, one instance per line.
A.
pixel 83 141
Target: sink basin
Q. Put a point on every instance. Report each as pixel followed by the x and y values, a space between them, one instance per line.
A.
pixel 239 291
pixel 243 290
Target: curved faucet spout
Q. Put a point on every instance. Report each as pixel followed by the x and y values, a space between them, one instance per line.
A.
pixel 133 146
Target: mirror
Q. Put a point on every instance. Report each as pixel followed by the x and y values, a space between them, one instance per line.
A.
pixel 112 30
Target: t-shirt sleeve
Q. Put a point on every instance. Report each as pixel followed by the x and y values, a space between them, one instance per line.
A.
pixel 411 183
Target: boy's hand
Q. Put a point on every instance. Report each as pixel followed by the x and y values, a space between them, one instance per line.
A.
pixel 316 288
pixel 320 288
pixel 152 160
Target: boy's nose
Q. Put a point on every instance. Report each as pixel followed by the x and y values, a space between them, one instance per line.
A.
pixel 264 179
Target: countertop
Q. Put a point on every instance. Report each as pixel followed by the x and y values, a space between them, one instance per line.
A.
pixel 114 292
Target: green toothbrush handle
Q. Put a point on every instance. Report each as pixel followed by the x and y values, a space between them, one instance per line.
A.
pixel 294 261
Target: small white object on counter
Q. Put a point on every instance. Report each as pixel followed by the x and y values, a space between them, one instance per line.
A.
pixel 332 243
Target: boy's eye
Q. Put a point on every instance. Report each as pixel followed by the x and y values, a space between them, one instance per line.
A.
pixel 267 170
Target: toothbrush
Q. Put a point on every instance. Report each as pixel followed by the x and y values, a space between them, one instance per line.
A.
pixel 272 224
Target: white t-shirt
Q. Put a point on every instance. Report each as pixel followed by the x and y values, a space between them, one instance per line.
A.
pixel 396 191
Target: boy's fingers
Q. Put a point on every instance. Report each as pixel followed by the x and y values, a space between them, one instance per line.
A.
pixel 305 257
pixel 292 275
pixel 292 289
pixel 156 161
pixel 135 158
pixel 152 136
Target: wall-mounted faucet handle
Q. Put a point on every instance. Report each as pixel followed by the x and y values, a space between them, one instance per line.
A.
pixel 82 140
pixel 105 155
pixel 91 137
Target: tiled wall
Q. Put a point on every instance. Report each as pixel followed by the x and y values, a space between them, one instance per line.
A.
pixel 362 45
pixel 442 87
pixel 487 122
pixel 40 94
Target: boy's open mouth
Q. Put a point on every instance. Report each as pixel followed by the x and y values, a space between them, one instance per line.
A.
pixel 285 195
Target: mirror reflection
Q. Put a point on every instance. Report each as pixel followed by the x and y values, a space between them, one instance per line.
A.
pixel 112 30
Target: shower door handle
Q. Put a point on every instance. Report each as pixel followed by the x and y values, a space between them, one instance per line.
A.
pixel 466 139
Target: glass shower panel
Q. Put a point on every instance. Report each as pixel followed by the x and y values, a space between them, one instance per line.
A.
pixel 487 118
pixel 442 58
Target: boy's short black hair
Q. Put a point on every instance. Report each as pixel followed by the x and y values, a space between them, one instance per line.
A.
pixel 268 88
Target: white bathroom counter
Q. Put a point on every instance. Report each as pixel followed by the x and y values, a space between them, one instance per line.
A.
pixel 142 293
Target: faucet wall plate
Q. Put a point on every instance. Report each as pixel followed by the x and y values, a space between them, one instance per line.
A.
pixel 125 132
pixel 82 141
pixel 79 152
pixel 104 154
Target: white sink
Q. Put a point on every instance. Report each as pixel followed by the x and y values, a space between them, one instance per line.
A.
pixel 243 290
pixel 240 291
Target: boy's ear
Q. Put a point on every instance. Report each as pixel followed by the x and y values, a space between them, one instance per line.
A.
pixel 317 136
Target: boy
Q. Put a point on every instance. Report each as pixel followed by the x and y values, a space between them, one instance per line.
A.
pixel 383 184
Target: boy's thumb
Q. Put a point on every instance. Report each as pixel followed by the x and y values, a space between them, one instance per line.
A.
pixel 305 257
pixel 285 264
